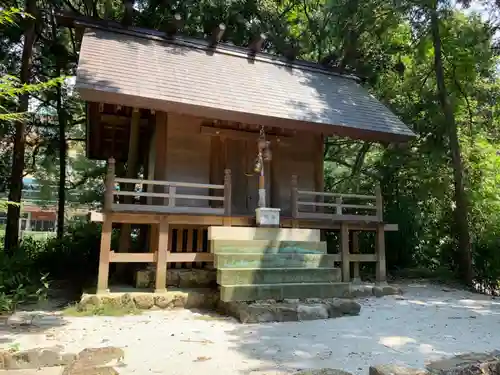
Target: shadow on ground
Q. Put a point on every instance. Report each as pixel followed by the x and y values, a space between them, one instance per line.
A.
pixel 429 322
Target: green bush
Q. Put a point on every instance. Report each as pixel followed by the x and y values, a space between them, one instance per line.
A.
pixel 75 257
pixel 20 281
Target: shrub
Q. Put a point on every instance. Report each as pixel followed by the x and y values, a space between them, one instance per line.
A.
pixel 20 281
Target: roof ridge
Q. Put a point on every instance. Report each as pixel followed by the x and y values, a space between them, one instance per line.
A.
pixel 223 48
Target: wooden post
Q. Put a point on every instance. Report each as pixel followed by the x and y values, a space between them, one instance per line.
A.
pixel 344 252
pixel 172 189
pixel 319 181
pixel 133 153
pixel 103 273
pixel 228 200
pixel 216 168
pixel 107 228
pixel 227 192
pixel 110 185
pixel 379 203
pixel 161 257
pixel 338 202
pixel 380 249
pixel 355 250
pixel 294 198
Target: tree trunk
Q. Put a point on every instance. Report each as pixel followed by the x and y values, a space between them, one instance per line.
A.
pixel 461 210
pixel 61 114
pixel 16 176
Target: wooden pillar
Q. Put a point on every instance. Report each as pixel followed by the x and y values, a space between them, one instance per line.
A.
pixel 160 145
pixel 133 153
pixel 216 168
pixel 344 252
pixel 319 182
pixel 294 197
pixel 380 238
pixel 355 250
pixel 161 257
pixel 228 200
pixel 380 252
pixel 107 228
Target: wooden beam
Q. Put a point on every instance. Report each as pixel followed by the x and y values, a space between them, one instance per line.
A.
pixel 132 257
pixel 240 134
pixel 118 120
pixel 189 257
pixel 175 26
pixel 257 44
pixel 217 34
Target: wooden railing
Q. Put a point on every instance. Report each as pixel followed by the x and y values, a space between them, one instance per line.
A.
pixel 333 206
pixel 166 201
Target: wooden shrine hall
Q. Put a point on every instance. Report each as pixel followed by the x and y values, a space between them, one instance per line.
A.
pixel 225 145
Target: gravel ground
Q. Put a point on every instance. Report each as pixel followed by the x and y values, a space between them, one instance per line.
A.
pixel 428 322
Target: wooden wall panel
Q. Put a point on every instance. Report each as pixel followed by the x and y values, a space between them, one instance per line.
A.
pixel 188 157
pixel 236 161
pixel 184 154
pixel 297 156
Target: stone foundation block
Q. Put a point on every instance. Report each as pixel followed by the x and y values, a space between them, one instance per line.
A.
pixel 182 298
pixel 35 358
pixel 262 312
pixel 179 278
pixel 386 290
pixel 395 370
pixel 323 371
pixel 467 364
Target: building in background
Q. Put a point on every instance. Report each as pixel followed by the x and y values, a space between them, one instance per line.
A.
pixel 39 208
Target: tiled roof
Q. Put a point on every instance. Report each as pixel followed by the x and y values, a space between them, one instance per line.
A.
pixel 190 75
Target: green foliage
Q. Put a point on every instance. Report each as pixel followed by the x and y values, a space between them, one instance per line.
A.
pixel 75 257
pixel 20 280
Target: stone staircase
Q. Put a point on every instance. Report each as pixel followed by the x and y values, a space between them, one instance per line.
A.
pixel 273 263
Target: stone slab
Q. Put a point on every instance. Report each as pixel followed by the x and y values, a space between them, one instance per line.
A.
pixel 390 369
pixel 282 291
pixel 323 371
pixel 42 371
pixel 271 311
pixel 267 247
pixel 238 260
pixel 245 276
pixel 269 234
pixel 181 298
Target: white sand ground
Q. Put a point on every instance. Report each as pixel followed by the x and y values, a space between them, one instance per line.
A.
pixel 428 322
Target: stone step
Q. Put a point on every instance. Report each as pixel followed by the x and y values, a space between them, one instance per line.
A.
pixel 245 276
pixel 282 260
pixel 267 247
pixel 268 234
pixel 282 291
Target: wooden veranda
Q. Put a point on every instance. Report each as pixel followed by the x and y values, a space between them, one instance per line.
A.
pixel 141 204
